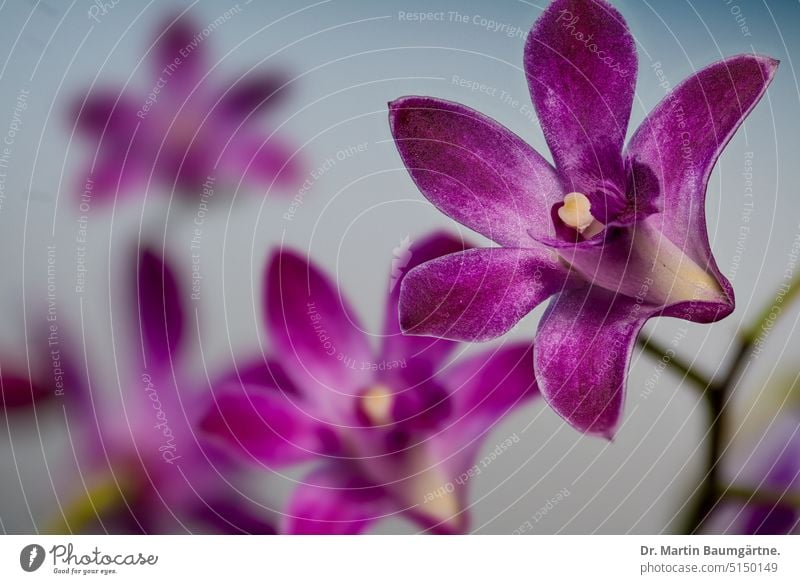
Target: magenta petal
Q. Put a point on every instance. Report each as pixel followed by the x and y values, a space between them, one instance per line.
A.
pixel 260 161
pixel 700 115
pixel 317 337
pixel 18 393
pixel 257 372
pixel 266 425
pixel 180 55
pixel 108 114
pixel 483 390
pixel 407 256
pixel 581 356
pixel 773 464
pixel 115 171
pixel 776 518
pixel 253 93
pixel 478 294
pixel 334 501
pixel 475 170
pixel 486 387
pixel 109 120
pixel 580 60
pixel 160 310
pixel 226 516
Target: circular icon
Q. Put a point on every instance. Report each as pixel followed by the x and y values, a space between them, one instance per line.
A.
pixel 31 557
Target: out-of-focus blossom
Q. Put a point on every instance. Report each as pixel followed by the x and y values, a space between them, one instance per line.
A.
pixel 764 460
pixel 38 382
pixel 616 236
pixel 395 430
pixel 141 468
pixel 185 131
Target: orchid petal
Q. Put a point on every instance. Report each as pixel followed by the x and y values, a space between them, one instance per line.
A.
pixel 580 60
pixel 334 501
pixel 483 389
pixel 260 160
pixel 475 170
pixel 478 294
pixel 417 478
pixel 106 114
pixel 266 425
pixel 19 393
pixel 488 386
pixel 407 256
pixel 258 372
pixel 774 464
pixel 581 356
pixel 253 93
pixel 112 176
pixel 229 517
pixel 180 56
pixel 681 140
pixel 160 310
pixel 317 338
pixel 642 263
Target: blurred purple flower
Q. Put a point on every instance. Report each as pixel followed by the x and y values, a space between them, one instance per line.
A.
pixel 393 430
pixel 177 485
pixel 769 463
pixel 779 472
pixel 20 391
pixel 183 131
pixel 616 236
pixel 140 465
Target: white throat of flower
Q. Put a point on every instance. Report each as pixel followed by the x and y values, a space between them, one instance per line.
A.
pixel 422 481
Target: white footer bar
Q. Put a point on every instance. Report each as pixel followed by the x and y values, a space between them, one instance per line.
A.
pixel 401 559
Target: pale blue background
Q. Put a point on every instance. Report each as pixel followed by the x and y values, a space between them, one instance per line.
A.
pixel 350 58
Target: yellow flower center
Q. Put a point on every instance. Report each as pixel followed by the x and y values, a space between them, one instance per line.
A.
pixel 377 404
pixel 576 212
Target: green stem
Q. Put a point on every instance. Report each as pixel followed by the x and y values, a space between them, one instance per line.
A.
pixel 706 495
pixel 675 362
pixel 785 296
pixel 98 500
pixel 717 393
pixel 717 396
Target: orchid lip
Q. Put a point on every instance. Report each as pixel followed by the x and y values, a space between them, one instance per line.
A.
pixel 646 265
pixel 674 277
pixel 428 487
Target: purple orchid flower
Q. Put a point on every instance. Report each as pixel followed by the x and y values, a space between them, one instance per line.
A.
pixel 140 466
pixel 182 131
pixel 616 236
pixel 393 429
